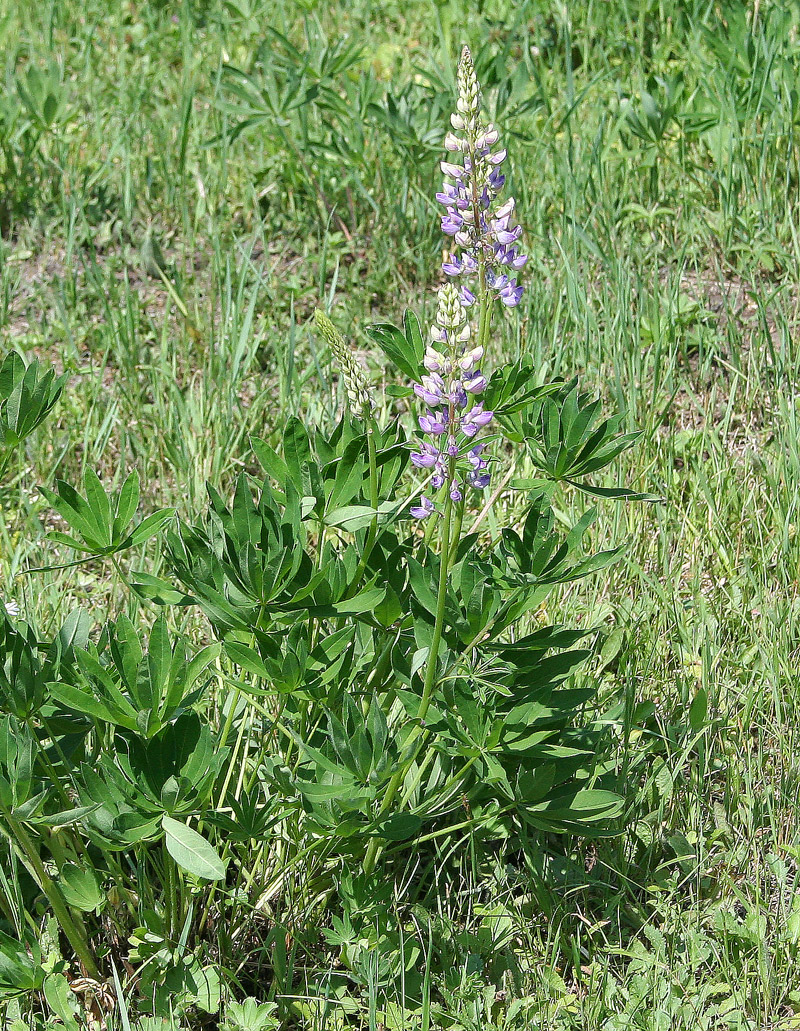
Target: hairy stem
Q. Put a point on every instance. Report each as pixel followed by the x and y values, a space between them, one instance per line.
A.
pixel 448 543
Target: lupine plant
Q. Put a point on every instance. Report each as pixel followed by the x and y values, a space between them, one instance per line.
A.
pixel 382 685
pixel 399 685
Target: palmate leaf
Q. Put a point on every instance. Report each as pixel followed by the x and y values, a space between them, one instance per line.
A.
pixel 567 443
pixel 99 526
pixel 126 688
pixel 26 399
pixel 404 347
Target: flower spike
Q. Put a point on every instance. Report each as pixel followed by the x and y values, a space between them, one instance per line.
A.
pixel 359 394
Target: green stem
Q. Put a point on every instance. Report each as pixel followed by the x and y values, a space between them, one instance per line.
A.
pixel 5 462
pixel 172 901
pixel 73 929
pixel 448 541
pixel 438 627
pixel 454 779
pixel 456 533
pixel 372 532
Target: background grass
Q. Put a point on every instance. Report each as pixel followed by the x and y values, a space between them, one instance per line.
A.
pixel 184 182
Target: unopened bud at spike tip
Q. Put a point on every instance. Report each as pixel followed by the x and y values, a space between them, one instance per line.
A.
pixel 357 388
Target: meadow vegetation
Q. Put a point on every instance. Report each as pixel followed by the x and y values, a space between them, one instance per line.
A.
pixel 191 805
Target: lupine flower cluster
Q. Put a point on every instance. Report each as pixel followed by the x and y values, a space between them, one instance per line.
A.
pixel 483 232
pixel 486 253
pixel 451 419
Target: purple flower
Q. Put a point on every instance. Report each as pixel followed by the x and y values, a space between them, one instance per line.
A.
pixel 476 383
pixel 423 509
pixel 475 419
pixel 451 222
pixel 478 480
pixel 457 396
pixel 511 294
pixel 483 253
pixel 431 390
pixel 482 237
pixel 434 423
pixel 509 256
pixel 427 457
pixel 433 360
pixel 475 456
pixel 496 181
pixel 469 360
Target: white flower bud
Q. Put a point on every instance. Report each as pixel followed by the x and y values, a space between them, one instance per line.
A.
pixel 452 142
pixel 505 209
pixel 454 171
pixel 433 360
pixel 457 122
pixel 471 359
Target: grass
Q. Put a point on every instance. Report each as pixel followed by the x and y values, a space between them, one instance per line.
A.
pixel 182 186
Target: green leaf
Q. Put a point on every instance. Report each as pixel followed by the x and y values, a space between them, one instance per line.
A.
pixel 296 451
pixel 61 1000
pixel 149 527
pixel 99 505
pixel 80 888
pixel 419 579
pixel 406 350
pixel 88 705
pixel 698 710
pixel 363 602
pixel 414 336
pixel 191 851
pixel 614 493
pixel 351 517
pixel 159 656
pixel 75 511
pixel 398 827
pixel 19 971
pixel 271 462
pixel 246 658
pixel 152 588
pixel 127 503
pixel 65 818
pixel 207 988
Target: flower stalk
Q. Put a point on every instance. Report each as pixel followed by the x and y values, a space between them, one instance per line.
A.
pixel 483 261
